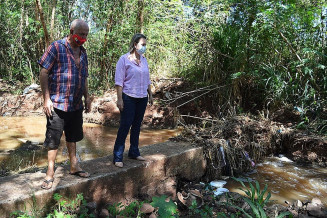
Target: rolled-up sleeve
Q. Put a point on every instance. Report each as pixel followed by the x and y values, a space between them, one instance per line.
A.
pixel 49 57
pixel 120 72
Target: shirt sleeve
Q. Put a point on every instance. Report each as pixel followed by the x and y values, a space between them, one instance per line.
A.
pixel 148 75
pixel 49 57
pixel 120 72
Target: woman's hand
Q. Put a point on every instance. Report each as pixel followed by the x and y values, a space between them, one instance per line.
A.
pixel 150 100
pixel 120 104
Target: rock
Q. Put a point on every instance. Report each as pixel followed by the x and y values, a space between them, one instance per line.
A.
pixel 294 212
pixel 152 215
pixel 147 208
pixel 312 206
pixel 315 210
pixel 304 216
pixel 246 206
pixel 298 204
pixel 222 199
pixel 104 213
pixel 317 213
pixel 91 206
pixel 231 209
pixel 316 201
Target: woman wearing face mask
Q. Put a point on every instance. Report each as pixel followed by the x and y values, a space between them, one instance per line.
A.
pixel 132 80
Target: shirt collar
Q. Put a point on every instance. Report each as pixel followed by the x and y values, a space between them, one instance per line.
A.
pixel 65 42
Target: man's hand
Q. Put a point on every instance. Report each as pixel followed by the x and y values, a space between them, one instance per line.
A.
pixel 120 104
pixel 87 104
pixel 48 107
pixel 150 100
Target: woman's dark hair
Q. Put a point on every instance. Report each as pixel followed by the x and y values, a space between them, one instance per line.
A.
pixel 135 39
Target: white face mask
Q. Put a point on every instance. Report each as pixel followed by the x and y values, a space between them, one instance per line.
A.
pixel 141 51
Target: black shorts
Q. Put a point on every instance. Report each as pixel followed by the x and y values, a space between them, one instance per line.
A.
pixel 70 122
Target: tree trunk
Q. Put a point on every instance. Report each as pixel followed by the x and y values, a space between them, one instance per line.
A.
pixel 21 24
pixel 54 4
pixel 140 19
pixel 106 39
pixel 46 34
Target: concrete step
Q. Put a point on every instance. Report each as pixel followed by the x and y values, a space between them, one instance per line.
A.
pixel 166 162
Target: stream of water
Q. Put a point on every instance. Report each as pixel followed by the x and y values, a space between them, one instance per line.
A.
pixel 287 180
pixel 15 155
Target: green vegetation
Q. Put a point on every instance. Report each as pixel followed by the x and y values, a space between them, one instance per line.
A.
pixel 131 210
pixel 63 208
pixel 256 199
pixel 163 206
pixel 267 54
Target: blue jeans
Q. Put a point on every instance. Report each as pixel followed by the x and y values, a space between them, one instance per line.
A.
pixel 132 115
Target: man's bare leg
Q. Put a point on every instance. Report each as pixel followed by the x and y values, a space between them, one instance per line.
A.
pixel 74 166
pixel 50 172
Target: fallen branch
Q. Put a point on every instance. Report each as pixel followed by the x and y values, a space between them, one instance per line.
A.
pixel 200 118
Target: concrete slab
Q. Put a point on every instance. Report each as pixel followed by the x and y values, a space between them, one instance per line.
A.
pixel 166 162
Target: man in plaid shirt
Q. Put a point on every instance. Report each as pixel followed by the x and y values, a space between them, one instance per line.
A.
pixel 63 78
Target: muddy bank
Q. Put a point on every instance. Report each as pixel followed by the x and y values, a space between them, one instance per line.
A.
pixel 103 108
pixel 233 146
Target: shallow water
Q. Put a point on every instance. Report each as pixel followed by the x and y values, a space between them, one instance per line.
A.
pixel 288 181
pixel 98 142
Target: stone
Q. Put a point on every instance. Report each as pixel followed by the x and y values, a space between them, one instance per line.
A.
pixel 104 213
pixel 91 206
pixel 316 201
pixel 298 204
pixel 304 216
pixel 317 213
pixel 312 206
pixel 153 215
pixel 294 212
pixel 147 208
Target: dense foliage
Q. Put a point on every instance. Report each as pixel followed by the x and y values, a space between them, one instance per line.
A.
pixel 268 53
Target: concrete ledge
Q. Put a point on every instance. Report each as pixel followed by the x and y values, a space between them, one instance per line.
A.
pixel 166 162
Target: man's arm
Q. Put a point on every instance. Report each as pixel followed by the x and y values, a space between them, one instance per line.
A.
pixel 87 97
pixel 47 103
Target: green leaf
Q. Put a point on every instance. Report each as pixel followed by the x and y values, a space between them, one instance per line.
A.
pixel 320 66
pixel 253 207
pixel 284 214
pixel 166 209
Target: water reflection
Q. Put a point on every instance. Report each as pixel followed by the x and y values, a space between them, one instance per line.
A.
pixel 98 142
pixel 288 181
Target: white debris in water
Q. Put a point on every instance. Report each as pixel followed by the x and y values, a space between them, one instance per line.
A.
pixel 218 183
pixel 220 191
pixel 274 164
pixel 285 159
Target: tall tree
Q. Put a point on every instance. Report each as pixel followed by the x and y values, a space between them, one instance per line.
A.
pixel 54 4
pixel 46 34
pixel 140 18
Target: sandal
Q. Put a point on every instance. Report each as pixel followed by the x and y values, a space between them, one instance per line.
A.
pixel 47 182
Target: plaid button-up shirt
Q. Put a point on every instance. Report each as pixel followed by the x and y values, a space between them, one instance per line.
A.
pixel 66 80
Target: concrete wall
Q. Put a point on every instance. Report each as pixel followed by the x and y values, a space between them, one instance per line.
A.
pixel 166 163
